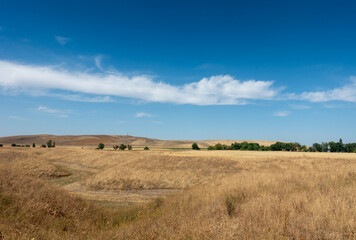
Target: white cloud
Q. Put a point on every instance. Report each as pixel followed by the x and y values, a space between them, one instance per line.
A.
pixel 62 40
pixel 216 90
pixel 55 112
pixel 345 93
pixel 281 113
pixel 142 114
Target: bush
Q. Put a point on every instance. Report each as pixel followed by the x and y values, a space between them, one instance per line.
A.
pixel 210 148
pixel 129 147
pixel 13 145
pixel 195 146
pixel 27 145
pixel 1 145
pixel 43 146
pixel 146 148
pixel 115 147
pixel 122 147
pixel 101 146
pixel 33 144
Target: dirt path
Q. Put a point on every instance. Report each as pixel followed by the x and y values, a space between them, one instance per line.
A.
pixel 79 172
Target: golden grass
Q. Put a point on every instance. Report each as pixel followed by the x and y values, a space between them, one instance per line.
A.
pixel 223 194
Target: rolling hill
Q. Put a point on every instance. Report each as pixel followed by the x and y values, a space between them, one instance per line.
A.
pixel 93 140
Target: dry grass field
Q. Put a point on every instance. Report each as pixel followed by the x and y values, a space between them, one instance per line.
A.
pixel 75 193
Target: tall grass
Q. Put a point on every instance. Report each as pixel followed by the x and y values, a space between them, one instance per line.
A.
pixel 240 195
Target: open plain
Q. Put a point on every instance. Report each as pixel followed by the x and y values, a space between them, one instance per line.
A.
pixel 84 193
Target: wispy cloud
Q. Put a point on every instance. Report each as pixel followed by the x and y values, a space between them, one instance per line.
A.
pixel 281 113
pixel 345 93
pixel 215 90
pixel 54 112
pixel 97 60
pixel 62 40
pixel 142 114
pixel 80 98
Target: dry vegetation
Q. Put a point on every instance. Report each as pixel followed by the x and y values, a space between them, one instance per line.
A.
pixel 176 194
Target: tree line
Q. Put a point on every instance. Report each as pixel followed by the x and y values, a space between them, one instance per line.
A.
pixel 50 144
pixel 122 147
pixel 291 147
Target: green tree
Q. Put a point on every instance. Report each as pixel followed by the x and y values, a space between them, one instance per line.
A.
pixel 325 147
pixel 115 147
pixel 43 146
pixel 146 148
pixel 101 146
pixel 333 146
pixel 13 145
pixel 33 144
pixel 49 143
pixel 278 146
pixel 318 147
pixel 218 146
pixel 195 146
pixel 1 145
pixel 122 147
pixel 211 148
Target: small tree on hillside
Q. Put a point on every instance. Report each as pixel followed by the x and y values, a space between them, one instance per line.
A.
pixel 123 147
pixel 101 146
pixel 33 144
pixel 146 148
pixel 129 147
pixel 115 147
pixel 49 143
pixel 13 145
pixel 195 146
pixel 43 146
pixel 1 145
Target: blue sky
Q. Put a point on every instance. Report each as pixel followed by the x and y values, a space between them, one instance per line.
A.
pixel 254 70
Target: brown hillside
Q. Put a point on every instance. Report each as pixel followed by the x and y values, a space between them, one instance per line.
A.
pixel 93 140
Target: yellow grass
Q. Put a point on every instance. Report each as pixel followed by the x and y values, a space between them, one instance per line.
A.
pixel 177 194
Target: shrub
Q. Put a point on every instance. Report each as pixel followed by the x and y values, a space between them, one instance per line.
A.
pixel 13 145
pixel 101 146
pixel 27 145
pixel 195 146
pixel 122 147
pixel 210 148
pixel 49 143
pixel 1 145
pixel 129 147
pixel 233 203
pixel 33 144
pixel 43 146
pixel 115 147
pixel 146 148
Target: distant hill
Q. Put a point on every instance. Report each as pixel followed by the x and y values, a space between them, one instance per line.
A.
pixel 93 140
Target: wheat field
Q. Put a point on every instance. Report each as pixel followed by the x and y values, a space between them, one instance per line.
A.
pixel 75 193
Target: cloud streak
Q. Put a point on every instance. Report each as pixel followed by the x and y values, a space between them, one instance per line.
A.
pixel 62 40
pixel 142 114
pixel 281 114
pixel 345 93
pixel 55 112
pixel 215 90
